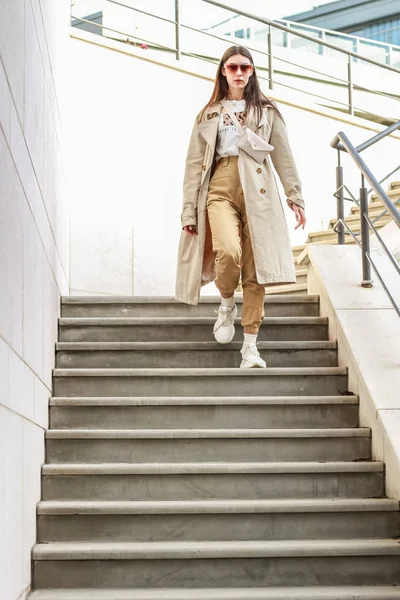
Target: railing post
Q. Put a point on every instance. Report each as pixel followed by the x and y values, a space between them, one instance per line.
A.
pixel 286 36
pixel 321 49
pixel 177 31
pixel 350 82
pixel 270 64
pixel 340 200
pixel 365 245
pixel 389 55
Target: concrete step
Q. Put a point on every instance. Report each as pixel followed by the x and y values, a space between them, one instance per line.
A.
pixel 205 412
pixel 288 289
pixel 139 355
pixel 393 194
pixel 329 234
pixel 190 329
pixel 331 241
pixel 375 207
pixel 205 445
pixel 160 306
pixel 299 268
pixel 395 185
pixel 297 249
pixel 267 593
pixel 224 520
pixel 194 481
pixel 301 275
pixel 307 381
pixel 202 564
pixel 354 219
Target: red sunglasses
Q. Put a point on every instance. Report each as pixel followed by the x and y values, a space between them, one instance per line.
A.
pixel 232 67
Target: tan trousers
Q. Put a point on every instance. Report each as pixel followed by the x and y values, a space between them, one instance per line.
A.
pixel 231 242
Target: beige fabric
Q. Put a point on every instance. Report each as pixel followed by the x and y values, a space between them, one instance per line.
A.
pixel 231 242
pixel 267 224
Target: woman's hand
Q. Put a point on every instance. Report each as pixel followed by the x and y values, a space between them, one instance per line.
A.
pixel 300 216
pixel 190 229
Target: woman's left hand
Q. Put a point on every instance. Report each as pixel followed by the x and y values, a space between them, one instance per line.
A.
pixel 300 216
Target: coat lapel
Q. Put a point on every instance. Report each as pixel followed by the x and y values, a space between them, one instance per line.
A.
pixel 209 129
pixel 251 120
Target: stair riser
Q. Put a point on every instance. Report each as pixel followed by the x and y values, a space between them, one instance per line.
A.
pixel 295 309
pixel 355 228
pixel 206 450
pixel 301 278
pixel 279 385
pixel 221 572
pixel 270 291
pixel 222 527
pixel 354 222
pixel 184 333
pixel 242 486
pixel 221 358
pixel 205 417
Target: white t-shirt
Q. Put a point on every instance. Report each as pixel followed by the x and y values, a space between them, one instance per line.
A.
pixel 228 134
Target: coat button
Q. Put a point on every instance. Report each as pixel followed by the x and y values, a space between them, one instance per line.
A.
pixel 262 191
pixel 204 167
pixel 259 170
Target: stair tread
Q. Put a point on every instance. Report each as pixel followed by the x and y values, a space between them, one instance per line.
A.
pixel 270 593
pixel 171 300
pixel 217 549
pixel 297 287
pixel 356 228
pixel 105 507
pixel 358 432
pixel 202 372
pixel 201 345
pixel 96 321
pixel 212 467
pixel 199 400
pixel 355 217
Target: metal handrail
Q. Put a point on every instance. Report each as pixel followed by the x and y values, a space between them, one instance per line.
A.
pixel 341 139
pixel 371 262
pixel 387 177
pixel 342 144
pixel 320 42
pixel 271 25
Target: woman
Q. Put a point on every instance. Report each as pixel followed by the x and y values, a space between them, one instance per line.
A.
pixel 233 221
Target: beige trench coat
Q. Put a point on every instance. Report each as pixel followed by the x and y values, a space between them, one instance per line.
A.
pixel 272 251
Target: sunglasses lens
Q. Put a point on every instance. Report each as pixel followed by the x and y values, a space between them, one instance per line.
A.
pixel 232 68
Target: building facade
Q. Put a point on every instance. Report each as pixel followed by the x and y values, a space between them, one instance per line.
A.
pixel 373 19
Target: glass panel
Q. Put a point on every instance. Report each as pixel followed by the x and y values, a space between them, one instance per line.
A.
pixel 396 57
pixel 374 51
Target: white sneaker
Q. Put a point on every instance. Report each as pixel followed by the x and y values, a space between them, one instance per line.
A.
pixel 224 328
pixel 251 357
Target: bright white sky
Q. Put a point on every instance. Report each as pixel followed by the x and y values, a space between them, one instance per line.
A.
pixel 202 12
pixel 275 8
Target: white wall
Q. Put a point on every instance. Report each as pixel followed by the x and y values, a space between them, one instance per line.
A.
pixel 128 157
pixel 34 262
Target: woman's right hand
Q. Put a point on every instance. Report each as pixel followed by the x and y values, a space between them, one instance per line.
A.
pixel 190 229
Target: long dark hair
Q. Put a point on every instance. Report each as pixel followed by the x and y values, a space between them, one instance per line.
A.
pixel 253 95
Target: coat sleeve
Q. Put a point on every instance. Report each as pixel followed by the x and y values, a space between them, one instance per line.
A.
pixel 192 177
pixel 283 161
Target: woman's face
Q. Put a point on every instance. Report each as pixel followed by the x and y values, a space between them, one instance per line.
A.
pixel 236 76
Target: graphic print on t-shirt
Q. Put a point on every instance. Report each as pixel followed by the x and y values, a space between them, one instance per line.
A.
pixel 227 122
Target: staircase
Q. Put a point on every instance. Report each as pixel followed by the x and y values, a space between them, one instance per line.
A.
pixel 328 236
pixel 171 474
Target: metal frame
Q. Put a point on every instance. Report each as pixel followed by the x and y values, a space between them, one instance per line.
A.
pixel 342 144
